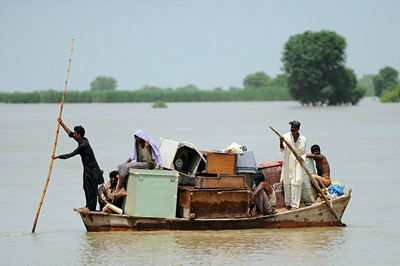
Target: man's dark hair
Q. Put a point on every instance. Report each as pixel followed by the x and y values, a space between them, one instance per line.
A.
pixel 315 147
pixel 259 177
pixel 113 174
pixel 80 130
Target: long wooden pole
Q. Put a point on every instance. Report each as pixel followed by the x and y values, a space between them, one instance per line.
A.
pixel 328 203
pixel 55 143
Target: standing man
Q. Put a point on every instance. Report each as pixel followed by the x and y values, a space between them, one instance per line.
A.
pixel 292 172
pixel 323 178
pixel 92 174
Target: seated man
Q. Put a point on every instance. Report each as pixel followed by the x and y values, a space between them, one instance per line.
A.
pixel 145 155
pixel 105 190
pixel 323 178
pixel 263 196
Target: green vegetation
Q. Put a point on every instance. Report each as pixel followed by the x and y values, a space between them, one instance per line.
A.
pixel 386 80
pixel 391 96
pixel 102 83
pixel 367 83
pixel 315 73
pixel 257 80
pixel 314 63
pixel 150 95
pixel 159 104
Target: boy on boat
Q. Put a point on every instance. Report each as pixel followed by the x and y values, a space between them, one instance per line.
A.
pixel 263 197
pixel 145 155
pixel 323 178
pixel 92 174
pixel 105 190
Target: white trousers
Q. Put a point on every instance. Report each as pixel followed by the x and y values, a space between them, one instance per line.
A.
pixel 292 195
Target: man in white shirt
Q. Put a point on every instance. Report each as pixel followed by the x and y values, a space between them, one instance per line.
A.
pixel 292 172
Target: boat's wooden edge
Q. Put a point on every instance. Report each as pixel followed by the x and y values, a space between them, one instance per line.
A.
pixel 347 194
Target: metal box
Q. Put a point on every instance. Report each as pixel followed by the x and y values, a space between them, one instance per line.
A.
pixel 220 181
pixel 179 156
pixel 212 203
pixel 151 193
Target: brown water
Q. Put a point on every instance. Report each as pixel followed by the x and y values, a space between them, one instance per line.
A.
pixel 360 142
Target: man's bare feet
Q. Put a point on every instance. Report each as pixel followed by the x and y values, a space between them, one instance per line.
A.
pixel 293 209
pixel 84 209
pixel 118 194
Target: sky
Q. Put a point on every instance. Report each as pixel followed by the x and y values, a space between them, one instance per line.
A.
pixel 174 43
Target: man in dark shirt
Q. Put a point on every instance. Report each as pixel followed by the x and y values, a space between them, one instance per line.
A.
pixel 92 174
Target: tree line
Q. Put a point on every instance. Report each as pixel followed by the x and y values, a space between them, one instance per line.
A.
pixel 165 95
pixel 314 74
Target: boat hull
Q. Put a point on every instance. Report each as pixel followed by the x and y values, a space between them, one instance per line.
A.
pixel 316 215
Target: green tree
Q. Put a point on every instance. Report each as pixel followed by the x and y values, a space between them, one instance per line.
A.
pixel 256 80
pixel 387 79
pixel 391 96
pixel 314 63
pixel 103 83
pixel 281 80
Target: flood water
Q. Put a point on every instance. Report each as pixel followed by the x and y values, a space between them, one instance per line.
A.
pixel 360 142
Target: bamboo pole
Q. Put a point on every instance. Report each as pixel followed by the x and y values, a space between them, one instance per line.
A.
pixel 55 143
pixel 328 203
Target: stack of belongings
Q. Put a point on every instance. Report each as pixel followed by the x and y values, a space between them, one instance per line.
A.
pixel 220 189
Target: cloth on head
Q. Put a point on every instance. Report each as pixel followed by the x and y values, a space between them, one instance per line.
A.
pixel 155 152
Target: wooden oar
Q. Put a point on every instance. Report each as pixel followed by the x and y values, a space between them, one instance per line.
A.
pixel 328 203
pixel 55 143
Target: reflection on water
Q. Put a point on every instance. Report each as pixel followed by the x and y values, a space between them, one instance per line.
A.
pixel 216 247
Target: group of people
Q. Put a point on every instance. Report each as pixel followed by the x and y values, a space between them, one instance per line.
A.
pixel 146 155
pixel 262 201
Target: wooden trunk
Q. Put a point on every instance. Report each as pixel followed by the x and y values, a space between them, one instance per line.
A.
pixel 221 163
pixel 220 181
pixel 211 203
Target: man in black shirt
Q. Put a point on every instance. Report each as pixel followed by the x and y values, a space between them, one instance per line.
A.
pixel 92 174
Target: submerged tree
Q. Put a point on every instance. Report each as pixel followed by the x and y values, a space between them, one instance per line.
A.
pixel 314 63
pixel 256 80
pixel 103 83
pixel 387 79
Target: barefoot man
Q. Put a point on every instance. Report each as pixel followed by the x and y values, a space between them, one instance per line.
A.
pixel 146 155
pixel 263 196
pixel 322 165
pixel 292 173
pixel 92 174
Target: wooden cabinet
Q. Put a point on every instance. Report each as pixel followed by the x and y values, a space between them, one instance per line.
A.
pixel 211 203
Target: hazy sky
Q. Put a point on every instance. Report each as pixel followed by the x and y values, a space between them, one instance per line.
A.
pixel 171 43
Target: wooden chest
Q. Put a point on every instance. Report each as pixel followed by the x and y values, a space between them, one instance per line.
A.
pixel 212 203
pixel 220 181
pixel 220 163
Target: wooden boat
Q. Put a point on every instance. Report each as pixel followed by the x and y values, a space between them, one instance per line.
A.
pixel 208 191
pixel 316 215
